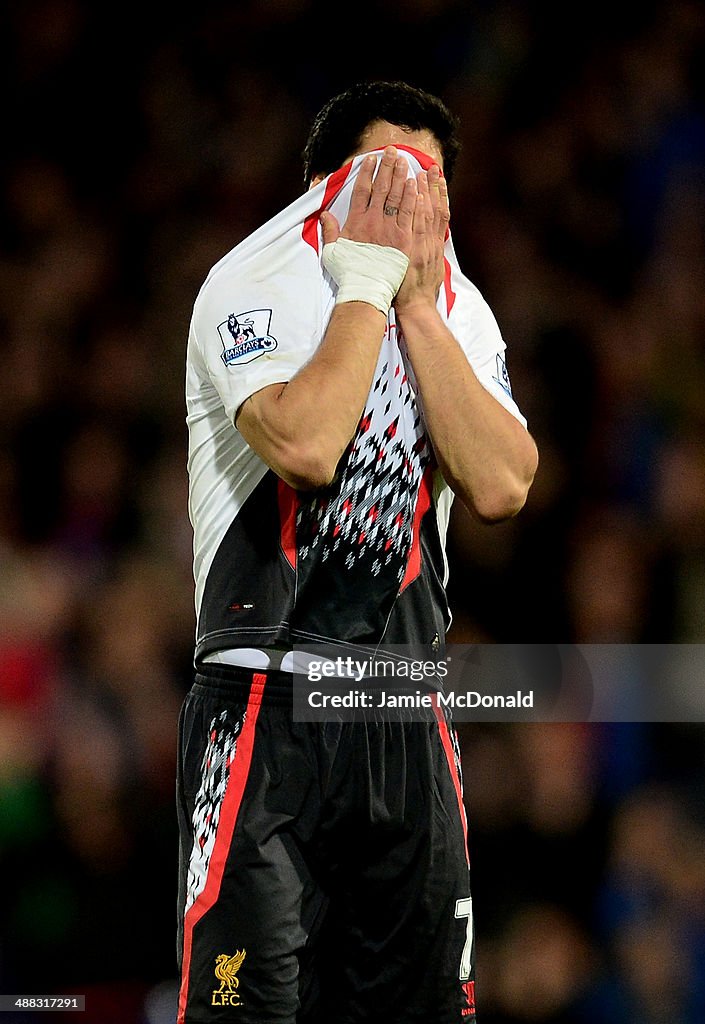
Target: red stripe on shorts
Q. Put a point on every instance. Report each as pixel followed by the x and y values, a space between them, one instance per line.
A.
pixel 226 826
pixel 452 768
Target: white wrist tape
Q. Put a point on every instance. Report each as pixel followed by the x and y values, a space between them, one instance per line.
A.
pixel 365 272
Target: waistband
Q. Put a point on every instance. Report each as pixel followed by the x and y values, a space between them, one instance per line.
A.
pixel 254 686
pixel 273 687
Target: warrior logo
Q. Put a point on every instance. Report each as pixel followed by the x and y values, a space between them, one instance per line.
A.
pixel 249 336
pixel 226 968
pixel 469 992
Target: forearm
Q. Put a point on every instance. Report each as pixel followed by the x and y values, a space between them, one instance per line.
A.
pixel 301 428
pixel 486 456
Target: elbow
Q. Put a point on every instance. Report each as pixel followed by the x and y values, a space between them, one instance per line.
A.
pixel 498 505
pixel 298 456
pixel 506 495
pixel 305 469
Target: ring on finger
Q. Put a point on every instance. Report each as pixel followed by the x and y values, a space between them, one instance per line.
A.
pixel 390 211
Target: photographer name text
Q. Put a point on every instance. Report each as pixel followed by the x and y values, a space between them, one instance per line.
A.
pixel 383 699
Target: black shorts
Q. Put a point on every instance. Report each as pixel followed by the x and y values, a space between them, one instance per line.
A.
pixel 323 873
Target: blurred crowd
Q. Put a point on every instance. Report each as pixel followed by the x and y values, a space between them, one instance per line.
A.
pixel 142 143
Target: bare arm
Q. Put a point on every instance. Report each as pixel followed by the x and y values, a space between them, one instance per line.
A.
pixel 301 428
pixel 484 453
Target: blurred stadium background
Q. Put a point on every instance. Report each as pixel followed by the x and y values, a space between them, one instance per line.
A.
pixel 140 143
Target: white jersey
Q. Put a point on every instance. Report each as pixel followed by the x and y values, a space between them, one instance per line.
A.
pixel 363 560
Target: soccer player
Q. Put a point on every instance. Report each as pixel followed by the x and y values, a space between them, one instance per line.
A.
pixel 344 381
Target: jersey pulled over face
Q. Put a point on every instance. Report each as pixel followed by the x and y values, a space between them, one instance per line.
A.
pixel 382 133
pixel 361 561
pixel 379 134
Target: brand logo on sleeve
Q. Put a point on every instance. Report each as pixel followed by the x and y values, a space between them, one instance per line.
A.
pixel 245 336
pixel 226 968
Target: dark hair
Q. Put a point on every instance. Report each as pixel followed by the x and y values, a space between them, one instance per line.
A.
pixel 338 128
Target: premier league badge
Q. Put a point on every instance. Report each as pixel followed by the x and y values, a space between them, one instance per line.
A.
pixel 246 336
pixel 502 377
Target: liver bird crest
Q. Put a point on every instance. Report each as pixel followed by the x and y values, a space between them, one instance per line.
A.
pixel 226 968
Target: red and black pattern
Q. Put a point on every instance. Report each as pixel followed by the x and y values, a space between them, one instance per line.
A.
pixel 368 514
pixel 360 561
pixel 215 772
pixel 358 542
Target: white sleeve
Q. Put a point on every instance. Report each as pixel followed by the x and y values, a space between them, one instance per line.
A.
pixel 257 320
pixel 473 324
